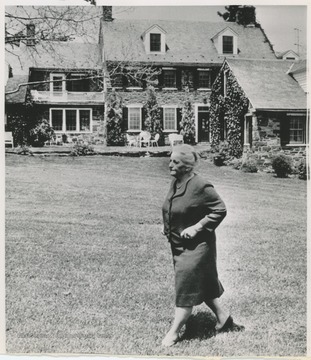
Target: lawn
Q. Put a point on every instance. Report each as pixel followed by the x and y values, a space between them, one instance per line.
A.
pixel 87 270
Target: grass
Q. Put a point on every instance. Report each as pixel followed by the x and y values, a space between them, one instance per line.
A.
pixel 87 270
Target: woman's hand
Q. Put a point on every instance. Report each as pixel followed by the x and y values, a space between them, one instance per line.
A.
pixel 191 231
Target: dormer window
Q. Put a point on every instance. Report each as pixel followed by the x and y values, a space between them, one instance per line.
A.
pixel 154 40
pixel 226 42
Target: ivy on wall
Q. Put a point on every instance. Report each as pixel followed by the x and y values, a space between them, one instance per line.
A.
pixel 227 112
pixel 115 134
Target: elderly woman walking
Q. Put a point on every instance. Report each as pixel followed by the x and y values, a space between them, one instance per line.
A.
pixel 192 211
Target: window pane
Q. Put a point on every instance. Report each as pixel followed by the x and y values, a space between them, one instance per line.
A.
pixel 296 130
pixel 204 79
pixel 134 118
pixel 57 119
pixel 71 120
pixel 169 77
pixel 155 42
pixel 79 85
pixel 169 119
pixel 227 43
pixel 85 120
pixel 57 85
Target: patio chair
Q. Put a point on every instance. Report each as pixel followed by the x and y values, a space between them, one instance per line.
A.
pixel 131 140
pixel 155 140
pixel 8 139
pixel 144 138
pixel 175 139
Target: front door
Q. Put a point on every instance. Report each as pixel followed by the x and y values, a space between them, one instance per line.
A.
pixel 203 124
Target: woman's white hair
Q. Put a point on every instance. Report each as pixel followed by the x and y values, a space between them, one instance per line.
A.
pixel 187 154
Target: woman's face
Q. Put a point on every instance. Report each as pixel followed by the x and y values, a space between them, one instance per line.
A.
pixel 176 166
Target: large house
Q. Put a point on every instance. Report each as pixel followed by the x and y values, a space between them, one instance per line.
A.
pixel 181 59
pixel 187 55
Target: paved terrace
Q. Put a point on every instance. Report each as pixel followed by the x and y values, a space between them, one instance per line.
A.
pixel 65 150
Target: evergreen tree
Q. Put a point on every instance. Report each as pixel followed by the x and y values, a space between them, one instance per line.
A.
pixel 187 123
pixel 242 15
pixel 153 113
pixel 114 120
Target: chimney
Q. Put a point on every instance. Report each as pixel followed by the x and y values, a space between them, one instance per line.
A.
pixel 107 13
pixel 30 34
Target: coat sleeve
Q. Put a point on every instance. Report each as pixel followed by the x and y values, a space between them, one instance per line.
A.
pixel 214 208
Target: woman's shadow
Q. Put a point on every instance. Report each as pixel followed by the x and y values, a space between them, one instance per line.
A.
pixel 200 326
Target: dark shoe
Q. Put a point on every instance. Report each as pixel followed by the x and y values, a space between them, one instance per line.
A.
pixel 229 326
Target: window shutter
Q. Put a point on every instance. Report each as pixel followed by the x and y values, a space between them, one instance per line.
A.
pixel 195 79
pixel 178 78
pixel 125 119
pixel 161 117
pixel 143 117
pixel 179 117
pixel 284 130
pixel 161 79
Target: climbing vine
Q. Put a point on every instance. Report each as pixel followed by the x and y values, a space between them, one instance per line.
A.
pixel 228 112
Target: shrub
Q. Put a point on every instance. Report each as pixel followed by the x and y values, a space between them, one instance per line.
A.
pixel 115 134
pixel 221 154
pixel 40 134
pixel 82 149
pixel 249 165
pixel 236 163
pixel 282 165
pixel 302 170
pixel 153 114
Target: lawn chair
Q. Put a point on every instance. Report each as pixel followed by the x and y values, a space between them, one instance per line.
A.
pixel 131 140
pixel 8 139
pixel 155 140
pixel 175 139
pixel 144 138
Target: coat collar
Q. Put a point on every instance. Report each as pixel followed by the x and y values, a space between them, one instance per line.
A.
pixel 180 191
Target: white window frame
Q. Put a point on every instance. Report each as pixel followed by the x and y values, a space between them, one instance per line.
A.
pixel 301 117
pixel 155 29
pixel 129 108
pixel 165 108
pixel 77 131
pixel 63 76
pixel 204 70
pixel 169 69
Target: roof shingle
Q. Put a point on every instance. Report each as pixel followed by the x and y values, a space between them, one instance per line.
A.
pixel 267 84
pixel 187 41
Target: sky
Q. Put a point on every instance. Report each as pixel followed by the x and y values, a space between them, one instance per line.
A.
pixel 279 21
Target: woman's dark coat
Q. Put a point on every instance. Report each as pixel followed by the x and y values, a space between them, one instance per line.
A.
pixel 196 276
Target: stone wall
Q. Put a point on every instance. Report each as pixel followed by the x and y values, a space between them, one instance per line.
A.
pixel 165 97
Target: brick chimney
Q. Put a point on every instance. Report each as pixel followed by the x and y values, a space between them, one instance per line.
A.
pixel 107 13
pixel 30 34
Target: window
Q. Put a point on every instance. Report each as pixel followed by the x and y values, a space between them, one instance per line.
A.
pixel 227 44
pixel 71 120
pixel 134 118
pixel 57 120
pixel 78 85
pixel 58 85
pixel 169 78
pixel 225 81
pixel 85 120
pixel 155 42
pixel 204 79
pixel 296 130
pixel 169 118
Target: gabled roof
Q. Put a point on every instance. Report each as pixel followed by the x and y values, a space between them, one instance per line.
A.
pixel 298 67
pixel 12 84
pixel 54 55
pixel 281 54
pixel 222 31
pixel 152 27
pixel 267 84
pixel 187 41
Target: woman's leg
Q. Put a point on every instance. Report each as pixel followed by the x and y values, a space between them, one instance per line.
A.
pixel 221 314
pixel 181 316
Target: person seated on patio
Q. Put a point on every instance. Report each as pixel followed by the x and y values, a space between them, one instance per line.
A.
pixel 192 211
